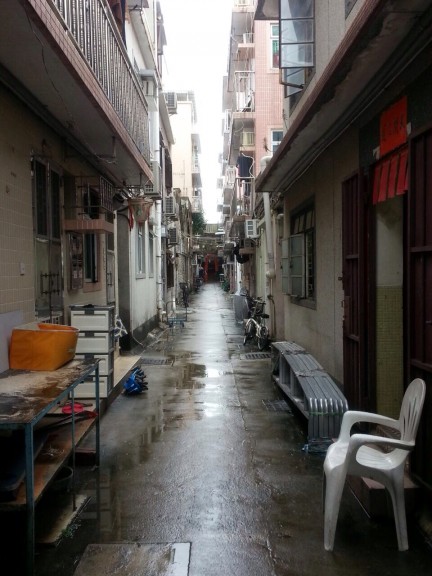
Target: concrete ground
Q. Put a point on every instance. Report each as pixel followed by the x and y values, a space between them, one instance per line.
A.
pixel 205 474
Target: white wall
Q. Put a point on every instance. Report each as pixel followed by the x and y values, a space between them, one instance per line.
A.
pixel 319 328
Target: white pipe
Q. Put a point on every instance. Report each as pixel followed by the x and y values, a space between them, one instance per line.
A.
pixel 271 271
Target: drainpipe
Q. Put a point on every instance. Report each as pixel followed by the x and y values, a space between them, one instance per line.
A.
pixel 271 271
pixel 151 76
pixel 159 286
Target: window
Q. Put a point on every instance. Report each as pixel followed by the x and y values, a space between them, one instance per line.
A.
pixel 298 256
pixel 90 200
pixel 274 39
pixel 140 251
pixel 151 254
pixel 276 139
pixel 91 258
pixel 296 43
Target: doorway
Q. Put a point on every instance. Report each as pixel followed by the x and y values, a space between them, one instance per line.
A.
pixel 47 241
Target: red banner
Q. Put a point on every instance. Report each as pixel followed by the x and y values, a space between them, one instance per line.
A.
pixel 393 126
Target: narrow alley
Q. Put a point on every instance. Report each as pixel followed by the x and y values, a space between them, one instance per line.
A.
pixel 206 473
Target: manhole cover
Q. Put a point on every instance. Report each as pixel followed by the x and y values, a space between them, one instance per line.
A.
pixel 255 356
pixel 156 361
pixel 276 406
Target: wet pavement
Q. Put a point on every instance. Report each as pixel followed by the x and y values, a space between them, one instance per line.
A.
pixel 205 474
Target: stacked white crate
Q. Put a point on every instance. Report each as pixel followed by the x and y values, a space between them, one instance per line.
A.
pixel 95 340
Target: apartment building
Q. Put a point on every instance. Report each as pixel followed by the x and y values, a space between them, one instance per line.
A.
pixel 253 129
pixel 84 163
pixel 351 181
pixel 187 184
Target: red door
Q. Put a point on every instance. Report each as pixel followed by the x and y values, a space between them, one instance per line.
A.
pixel 358 378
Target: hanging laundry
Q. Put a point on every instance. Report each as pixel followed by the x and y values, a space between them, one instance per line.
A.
pixel 244 166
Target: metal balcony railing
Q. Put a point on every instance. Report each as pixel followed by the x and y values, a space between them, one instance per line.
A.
pixel 97 38
pixel 197 204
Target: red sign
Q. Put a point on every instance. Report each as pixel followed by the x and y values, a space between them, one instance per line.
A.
pixel 393 126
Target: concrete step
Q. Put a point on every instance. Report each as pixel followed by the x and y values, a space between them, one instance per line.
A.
pixel 375 499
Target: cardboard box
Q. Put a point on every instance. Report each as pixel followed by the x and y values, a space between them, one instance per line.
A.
pixel 40 346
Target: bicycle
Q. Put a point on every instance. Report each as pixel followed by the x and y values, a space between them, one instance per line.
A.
pixel 185 293
pixel 255 326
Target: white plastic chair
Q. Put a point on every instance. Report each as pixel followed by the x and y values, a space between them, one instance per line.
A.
pixel 359 455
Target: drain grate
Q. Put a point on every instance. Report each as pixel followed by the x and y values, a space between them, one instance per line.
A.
pixel 155 361
pixel 276 406
pixel 234 339
pixel 255 356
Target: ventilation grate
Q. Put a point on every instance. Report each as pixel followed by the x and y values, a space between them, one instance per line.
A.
pixel 276 406
pixel 255 356
pixel 155 361
pixel 234 339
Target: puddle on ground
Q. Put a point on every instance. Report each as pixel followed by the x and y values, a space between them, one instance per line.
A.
pixel 193 373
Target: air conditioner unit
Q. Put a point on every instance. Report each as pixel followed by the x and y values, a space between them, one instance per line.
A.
pixel 172 236
pixel 251 229
pixel 248 138
pixel 248 243
pixel 227 121
pixel 170 206
pixel 171 101
pixel 248 38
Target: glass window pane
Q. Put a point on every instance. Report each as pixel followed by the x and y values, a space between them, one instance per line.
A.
pixel 274 30
pixel 296 286
pixel 296 8
pixel 296 55
pixel 295 31
pixel 275 53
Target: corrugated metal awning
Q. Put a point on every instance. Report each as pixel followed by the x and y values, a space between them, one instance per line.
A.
pixel 390 176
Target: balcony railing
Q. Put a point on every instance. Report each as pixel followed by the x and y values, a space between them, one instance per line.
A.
pixel 96 37
pixel 197 204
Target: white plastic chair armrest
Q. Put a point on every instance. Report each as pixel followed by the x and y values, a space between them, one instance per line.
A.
pixel 356 441
pixel 352 417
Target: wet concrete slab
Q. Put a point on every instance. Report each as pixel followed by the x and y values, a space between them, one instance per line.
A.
pixel 135 559
pixel 209 455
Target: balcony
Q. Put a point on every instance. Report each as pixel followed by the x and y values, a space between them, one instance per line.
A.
pixel 246 47
pixel 197 204
pixel 73 70
pixel 242 14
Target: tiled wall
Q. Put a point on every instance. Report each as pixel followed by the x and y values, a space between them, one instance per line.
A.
pixel 389 352
pixel 16 227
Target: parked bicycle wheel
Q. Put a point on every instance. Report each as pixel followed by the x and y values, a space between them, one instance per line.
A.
pixel 263 337
pixel 248 331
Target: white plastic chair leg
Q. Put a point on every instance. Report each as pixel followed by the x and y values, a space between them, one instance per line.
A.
pixel 333 495
pixel 398 500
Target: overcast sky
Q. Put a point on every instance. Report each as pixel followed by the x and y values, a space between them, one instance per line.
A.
pixel 196 57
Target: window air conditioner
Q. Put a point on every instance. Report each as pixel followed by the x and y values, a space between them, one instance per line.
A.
pixel 170 206
pixel 172 236
pixel 251 229
pixel 248 138
pixel 248 243
pixel 171 100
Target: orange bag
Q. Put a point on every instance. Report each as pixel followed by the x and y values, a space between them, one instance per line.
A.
pixel 39 346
